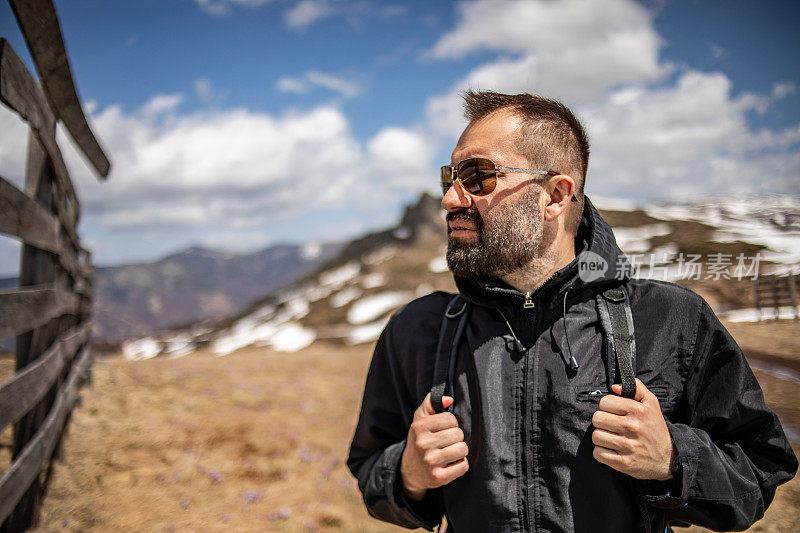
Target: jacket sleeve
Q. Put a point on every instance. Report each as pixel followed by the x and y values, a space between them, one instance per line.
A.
pixel 390 398
pixel 732 450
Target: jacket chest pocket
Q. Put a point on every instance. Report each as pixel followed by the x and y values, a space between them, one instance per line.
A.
pixel 591 395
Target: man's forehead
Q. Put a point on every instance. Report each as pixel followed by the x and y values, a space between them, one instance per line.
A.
pixel 495 134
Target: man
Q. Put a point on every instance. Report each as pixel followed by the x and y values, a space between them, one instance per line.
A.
pixel 539 437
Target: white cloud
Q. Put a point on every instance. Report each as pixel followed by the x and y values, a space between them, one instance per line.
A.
pixel 288 84
pixel 688 138
pixel 404 153
pixel 307 12
pixel 233 176
pixel 652 135
pixel 162 103
pixel 783 89
pixel 346 86
pixel 573 50
pixel 544 26
pixel 222 7
pixel 206 92
pixel 203 89
pixel 393 11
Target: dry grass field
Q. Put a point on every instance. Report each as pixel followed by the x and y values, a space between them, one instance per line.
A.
pixel 256 441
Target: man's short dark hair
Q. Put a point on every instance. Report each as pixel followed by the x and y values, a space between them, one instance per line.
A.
pixel 552 137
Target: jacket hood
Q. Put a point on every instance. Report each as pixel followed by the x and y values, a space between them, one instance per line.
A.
pixel 598 261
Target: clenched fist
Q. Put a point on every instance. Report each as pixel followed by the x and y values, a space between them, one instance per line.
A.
pixel 632 436
pixel 435 453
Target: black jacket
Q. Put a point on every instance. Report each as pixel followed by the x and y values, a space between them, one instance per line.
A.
pixel 527 418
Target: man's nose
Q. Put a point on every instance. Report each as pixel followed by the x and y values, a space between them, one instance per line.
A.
pixel 456 198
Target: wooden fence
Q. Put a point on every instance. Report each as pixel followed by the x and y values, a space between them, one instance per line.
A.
pixel 49 313
pixel 774 292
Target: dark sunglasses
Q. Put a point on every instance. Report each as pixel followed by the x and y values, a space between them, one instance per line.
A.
pixel 478 175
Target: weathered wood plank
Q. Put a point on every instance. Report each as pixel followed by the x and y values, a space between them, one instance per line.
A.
pixel 23 217
pixel 20 393
pixel 30 307
pixel 27 466
pixel 37 268
pixel 20 92
pixel 39 24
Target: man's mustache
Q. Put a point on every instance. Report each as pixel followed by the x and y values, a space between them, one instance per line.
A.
pixel 467 215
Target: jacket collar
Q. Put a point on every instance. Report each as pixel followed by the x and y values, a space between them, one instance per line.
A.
pixel 598 261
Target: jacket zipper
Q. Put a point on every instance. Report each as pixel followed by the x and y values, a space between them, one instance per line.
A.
pixel 528 301
pixel 526 518
pixel 530 443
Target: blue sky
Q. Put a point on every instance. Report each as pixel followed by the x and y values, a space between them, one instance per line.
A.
pixel 236 124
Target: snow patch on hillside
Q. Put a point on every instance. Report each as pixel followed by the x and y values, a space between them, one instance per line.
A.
pixel 311 251
pixel 380 255
pixel 376 279
pixel 339 276
pixel 141 349
pixel 345 296
pixel 753 315
pixel 438 265
pixel 279 330
pixel 637 239
pixel 773 222
pixel 367 332
pixel 371 307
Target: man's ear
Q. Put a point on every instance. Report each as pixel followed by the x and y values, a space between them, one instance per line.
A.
pixel 560 190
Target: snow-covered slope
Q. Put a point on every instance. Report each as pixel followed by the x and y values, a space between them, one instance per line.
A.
pixel 350 298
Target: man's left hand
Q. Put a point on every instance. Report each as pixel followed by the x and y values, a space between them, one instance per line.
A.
pixel 631 435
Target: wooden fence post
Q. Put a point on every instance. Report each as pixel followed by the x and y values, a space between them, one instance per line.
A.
pixel 37 267
pixel 756 298
pixel 775 299
pixel 50 310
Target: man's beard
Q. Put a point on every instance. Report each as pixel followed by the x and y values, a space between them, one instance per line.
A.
pixel 508 240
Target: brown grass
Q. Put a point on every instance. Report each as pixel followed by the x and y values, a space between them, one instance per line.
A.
pixel 183 444
pixel 252 442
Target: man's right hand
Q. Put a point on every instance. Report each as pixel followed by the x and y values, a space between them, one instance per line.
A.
pixel 435 453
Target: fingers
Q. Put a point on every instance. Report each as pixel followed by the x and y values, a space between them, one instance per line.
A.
pixel 621 425
pixel 619 405
pixel 426 407
pixel 449 436
pixel 641 391
pixel 609 440
pixel 434 423
pixel 441 457
pixel 448 473
pixel 609 457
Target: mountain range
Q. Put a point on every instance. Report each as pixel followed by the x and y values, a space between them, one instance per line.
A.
pixel 191 286
pixel 350 297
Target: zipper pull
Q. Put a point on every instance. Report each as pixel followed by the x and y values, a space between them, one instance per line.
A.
pixel 528 301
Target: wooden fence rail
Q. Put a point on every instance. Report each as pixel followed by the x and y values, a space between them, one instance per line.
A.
pixel 49 312
pixel 774 292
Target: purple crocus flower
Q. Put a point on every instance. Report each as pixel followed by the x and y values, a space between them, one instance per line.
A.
pixel 252 496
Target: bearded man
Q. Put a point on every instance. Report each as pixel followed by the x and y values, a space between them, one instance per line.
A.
pixel 534 433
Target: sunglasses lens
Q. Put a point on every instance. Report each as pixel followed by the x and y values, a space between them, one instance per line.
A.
pixel 447 178
pixel 478 176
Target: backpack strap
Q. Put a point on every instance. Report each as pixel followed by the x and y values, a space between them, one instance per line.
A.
pixel 450 334
pixel 614 309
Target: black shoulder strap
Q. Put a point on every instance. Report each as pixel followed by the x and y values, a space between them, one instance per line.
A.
pixel 445 363
pixel 615 316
